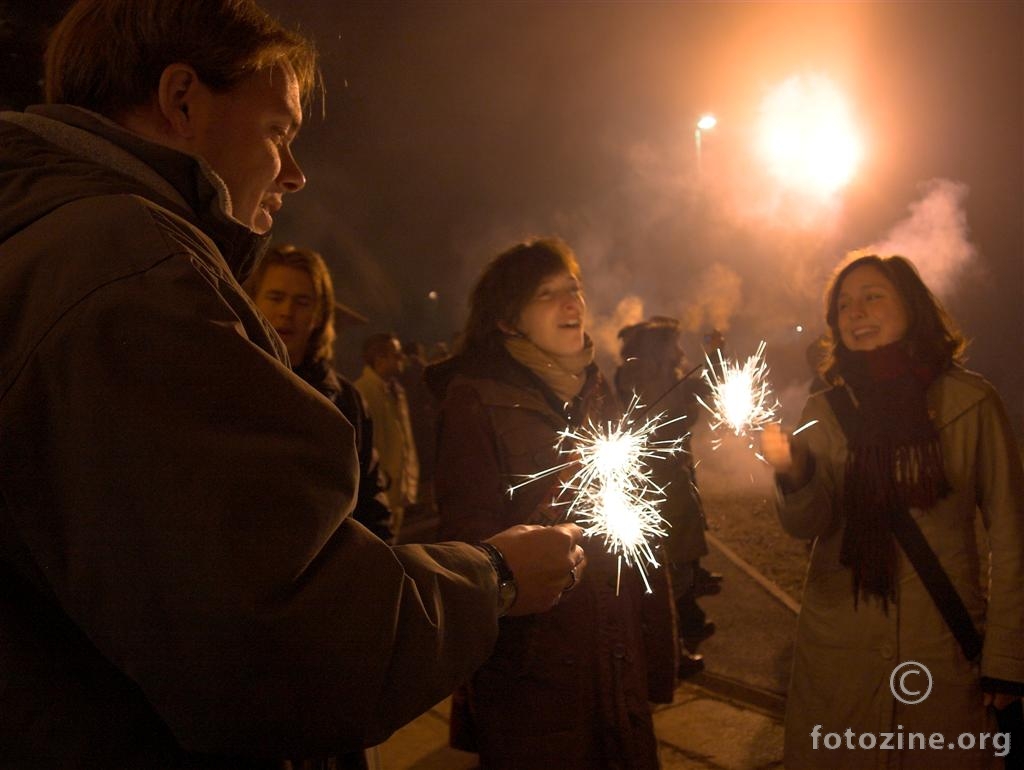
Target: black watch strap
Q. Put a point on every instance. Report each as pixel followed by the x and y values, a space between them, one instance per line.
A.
pixel 507 587
pixel 497 561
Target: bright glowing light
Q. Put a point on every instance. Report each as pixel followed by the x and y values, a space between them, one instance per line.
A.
pixel 804 427
pixel 707 122
pixel 740 397
pixel 807 136
pixel 610 493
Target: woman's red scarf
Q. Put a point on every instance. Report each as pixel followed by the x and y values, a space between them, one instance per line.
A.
pixel 894 461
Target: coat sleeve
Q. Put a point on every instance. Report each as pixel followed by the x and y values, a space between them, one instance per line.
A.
pixel 186 498
pixel 468 475
pixel 1000 495
pixel 811 511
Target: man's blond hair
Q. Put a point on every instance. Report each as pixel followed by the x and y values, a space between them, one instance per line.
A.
pixel 108 55
pixel 320 347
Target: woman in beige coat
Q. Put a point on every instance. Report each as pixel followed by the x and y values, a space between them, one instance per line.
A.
pixel 931 437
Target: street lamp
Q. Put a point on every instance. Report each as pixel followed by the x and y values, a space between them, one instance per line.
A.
pixel 706 123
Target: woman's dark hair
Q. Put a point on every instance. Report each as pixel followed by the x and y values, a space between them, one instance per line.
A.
pixel 932 336
pixel 507 285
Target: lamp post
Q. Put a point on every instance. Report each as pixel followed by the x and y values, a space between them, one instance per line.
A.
pixel 706 123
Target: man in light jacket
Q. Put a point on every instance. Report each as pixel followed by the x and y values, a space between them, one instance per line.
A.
pixel 182 585
pixel 388 407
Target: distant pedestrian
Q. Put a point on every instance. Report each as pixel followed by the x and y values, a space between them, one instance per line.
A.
pixel 386 401
pixel 423 407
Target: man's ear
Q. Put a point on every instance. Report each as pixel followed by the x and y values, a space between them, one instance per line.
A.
pixel 177 94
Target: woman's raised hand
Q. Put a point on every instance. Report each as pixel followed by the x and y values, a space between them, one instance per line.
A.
pixel 788 456
pixel 775 447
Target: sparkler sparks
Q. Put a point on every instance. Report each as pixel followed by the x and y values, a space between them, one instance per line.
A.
pixel 804 427
pixel 610 493
pixel 740 397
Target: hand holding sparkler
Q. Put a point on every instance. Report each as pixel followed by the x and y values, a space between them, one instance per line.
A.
pixel 609 490
pixel 545 562
pixel 789 456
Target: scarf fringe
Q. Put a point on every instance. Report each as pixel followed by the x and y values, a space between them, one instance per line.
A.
pixel 894 461
pixel 879 481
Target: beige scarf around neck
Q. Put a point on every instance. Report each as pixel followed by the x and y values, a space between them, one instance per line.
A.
pixel 563 374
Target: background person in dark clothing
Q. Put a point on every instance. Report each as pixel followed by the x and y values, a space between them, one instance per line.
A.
pixel 292 287
pixel 653 365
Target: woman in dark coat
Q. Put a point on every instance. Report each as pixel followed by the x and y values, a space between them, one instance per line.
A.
pixel 569 689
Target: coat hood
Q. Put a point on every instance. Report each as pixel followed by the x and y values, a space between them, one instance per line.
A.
pixel 51 155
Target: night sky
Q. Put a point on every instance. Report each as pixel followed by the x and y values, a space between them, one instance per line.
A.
pixel 455 129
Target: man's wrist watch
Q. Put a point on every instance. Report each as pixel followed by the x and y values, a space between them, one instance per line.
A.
pixel 507 588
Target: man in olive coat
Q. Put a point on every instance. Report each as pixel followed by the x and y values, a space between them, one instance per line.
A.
pixel 182 584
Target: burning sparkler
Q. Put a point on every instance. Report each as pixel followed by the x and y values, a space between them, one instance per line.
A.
pixel 610 493
pixel 740 397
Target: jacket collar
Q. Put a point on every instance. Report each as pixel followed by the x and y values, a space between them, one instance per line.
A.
pixel 321 375
pixel 184 183
pixel 953 393
pixel 370 375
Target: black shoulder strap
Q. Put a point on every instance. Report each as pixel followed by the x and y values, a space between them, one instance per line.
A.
pixel 920 553
pixel 937 582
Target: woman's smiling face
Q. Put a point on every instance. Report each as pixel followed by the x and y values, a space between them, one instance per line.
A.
pixel 870 311
pixel 553 319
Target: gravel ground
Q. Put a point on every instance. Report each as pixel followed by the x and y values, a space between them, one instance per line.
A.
pixel 747 524
pixel 736 490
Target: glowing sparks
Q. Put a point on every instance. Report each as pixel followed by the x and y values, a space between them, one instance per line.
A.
pixel 740 398
pixel 610 493
pixel 804 427
pixel 807 135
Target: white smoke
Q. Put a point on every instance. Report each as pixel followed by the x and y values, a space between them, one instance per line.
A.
pixel 935 236
pixel 718 292
pixel 604 330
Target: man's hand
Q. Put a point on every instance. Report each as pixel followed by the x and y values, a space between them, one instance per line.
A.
pixel 546 561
